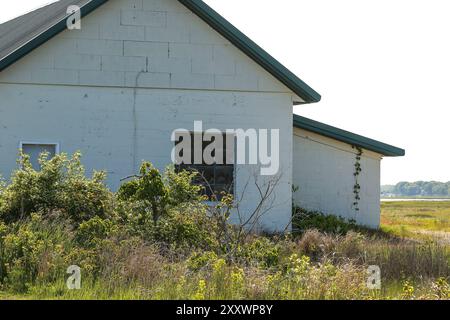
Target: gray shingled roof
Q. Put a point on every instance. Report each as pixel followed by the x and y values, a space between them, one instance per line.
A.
pixel 17 32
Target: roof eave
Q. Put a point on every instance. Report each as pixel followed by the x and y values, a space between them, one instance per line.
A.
pixel 347 137
pixel 255 52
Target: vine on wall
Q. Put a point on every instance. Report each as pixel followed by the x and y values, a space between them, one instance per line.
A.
pixel 357 172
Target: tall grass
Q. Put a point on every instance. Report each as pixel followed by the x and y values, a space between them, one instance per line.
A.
pixel 314 266
pixel 397 258
pixel 125 251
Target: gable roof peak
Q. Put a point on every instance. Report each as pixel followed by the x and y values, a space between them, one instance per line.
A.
pixel 22 35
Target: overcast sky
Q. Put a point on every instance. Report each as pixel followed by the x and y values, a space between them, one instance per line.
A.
pixel 381 66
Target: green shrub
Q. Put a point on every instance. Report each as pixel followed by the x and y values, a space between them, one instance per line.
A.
pixel 200 260
pixel 60 185
pixel 260 251
pixel 83 198
pixel 148 190
pixel 166 208
pixel 180 186
pixel 304 220
pixel 31 251
pixel 91 233
pixel 154 193
pixel 187 226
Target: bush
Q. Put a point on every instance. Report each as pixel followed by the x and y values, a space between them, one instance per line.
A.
pixel 200 260
pixel 156 193
pixel 259 251
pixel 187 226
pixel 180 187
pixel 90 234
pixel 166 208
pixel 31 251
pixel 60 185
pixel 148 190
pixel 305 220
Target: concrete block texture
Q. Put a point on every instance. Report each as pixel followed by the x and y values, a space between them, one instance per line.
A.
pixel 100 47
pixel 118 63
pixel 166 34
pixel 146 49
pixel 324 173
pixel 143 18
pixel 116 128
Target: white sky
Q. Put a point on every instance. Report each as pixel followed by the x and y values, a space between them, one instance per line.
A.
pixel 382 68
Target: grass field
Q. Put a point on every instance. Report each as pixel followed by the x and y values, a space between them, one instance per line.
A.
pixel 417 219
pixel 316 265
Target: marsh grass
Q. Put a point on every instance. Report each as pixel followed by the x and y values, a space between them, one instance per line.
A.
pixel 423 220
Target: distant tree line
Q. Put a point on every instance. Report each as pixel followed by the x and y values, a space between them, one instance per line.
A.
pixel 418 188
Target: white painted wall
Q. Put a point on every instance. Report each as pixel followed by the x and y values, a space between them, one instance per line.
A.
pixel 138 70
pixel 323 171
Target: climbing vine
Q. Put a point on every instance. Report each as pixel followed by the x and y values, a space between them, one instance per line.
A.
pixel 357 172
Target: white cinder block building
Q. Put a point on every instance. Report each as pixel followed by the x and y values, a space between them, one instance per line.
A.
pixel 138 70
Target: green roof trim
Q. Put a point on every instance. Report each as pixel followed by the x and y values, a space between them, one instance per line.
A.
pixel 347 137
pixel 213 19
pixel 255 52
pixel 45 36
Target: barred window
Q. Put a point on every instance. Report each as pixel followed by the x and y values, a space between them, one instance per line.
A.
pixel 217 177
